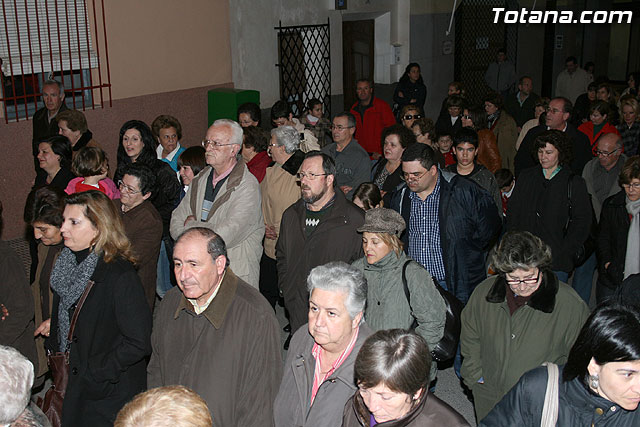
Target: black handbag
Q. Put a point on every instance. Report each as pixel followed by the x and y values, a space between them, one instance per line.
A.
pixel 588 247
pixel 447 346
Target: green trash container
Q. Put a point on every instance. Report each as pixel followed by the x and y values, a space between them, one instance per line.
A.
pixel 223 103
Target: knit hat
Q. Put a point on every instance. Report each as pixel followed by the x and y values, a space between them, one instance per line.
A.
pixel 382 220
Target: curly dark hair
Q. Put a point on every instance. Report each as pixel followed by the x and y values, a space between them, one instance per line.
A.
pixel 405 136
pixel 147 155
pixel 559 140
pixel 256 138
pixel 495 98
pixel 166 121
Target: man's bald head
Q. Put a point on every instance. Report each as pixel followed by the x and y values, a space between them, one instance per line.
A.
pixel 609 149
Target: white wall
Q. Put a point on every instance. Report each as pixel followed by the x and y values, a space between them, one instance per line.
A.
pixel 254 50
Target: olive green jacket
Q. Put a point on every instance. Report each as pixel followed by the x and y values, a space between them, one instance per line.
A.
pixel 500 347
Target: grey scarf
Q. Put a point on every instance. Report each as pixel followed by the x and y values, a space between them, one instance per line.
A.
pixel 69 279
pixel 632 259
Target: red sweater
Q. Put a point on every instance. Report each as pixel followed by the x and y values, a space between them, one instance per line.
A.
pixel 369 130
pixel 258 165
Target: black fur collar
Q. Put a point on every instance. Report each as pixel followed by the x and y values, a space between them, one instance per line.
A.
pixel 544 299
pixel 293 164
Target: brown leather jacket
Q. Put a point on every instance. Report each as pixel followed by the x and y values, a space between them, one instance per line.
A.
pixel 430 412
pixel 488 153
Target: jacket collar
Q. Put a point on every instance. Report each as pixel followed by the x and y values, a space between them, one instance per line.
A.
pixel 83 141
pixel 218 308
pixel 292 165
pixel 544 299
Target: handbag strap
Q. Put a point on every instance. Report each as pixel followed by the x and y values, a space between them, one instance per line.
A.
pixel 76 312
pixel 565 230
pixel 551 397
pixel 404 282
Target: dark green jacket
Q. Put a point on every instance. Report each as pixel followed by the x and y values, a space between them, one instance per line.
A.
pixel 500 348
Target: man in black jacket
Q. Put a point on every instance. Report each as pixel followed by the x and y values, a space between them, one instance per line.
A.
pixel 319 228
pixel 557 118
pixel 451 222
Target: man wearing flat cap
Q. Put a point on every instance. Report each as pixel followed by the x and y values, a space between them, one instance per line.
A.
pixel 386 268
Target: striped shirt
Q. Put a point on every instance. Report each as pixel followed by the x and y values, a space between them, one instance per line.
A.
pixel 318 378
pixel 424 232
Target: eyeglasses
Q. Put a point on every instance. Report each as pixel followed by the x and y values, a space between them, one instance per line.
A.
pixel 273 145
pixel 309 175
pixel 340 127
pixel 413 176
pixel 412 116
pixel 466 117
pixel 605 153
pixel 634 186
pixel 529 281
pixel 124 188
pixel 207 142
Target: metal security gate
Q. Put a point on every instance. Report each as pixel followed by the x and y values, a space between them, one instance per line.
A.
pixel 478 39
pixel 304 61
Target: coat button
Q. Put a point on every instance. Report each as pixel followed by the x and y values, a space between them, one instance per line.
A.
pixel 378 302
pixel 74 371
pixel 513 336
pixel 599 411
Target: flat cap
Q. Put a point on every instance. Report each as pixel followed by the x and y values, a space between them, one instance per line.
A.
pixel 382 220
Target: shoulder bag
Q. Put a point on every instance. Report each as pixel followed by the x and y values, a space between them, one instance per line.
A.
pixel 59 365
pixel 551 397
pixel 589 245
pixel 447 347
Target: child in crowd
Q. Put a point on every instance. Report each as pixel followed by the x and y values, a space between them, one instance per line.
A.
pixel 507 183
pixel 315 122
pixel 190 163
pixel 367 196
pixel 445 144
pixel 91 165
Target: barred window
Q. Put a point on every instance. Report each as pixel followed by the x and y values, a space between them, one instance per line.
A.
pixel 52 39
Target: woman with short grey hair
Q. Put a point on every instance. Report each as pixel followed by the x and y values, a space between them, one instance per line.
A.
pixel 340 277
pixel 280 189
pixel 318 372
pixel 16 372
pixel 286 136
pixel 516 320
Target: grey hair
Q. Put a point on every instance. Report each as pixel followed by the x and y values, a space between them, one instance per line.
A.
pixel 16 379
pixel 215 243
pixel 236 130
pixel 52 82
pixel 287 136
pixel 338 276
pixel 521 250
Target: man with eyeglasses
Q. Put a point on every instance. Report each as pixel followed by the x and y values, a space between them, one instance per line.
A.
pixel 557 117
pixel 225 197
pixel 352 161
pixel 451 222
pixel 601 176
pixel 319 228
pixel 372 115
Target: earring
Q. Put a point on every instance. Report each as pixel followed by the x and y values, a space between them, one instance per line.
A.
pixel 594 382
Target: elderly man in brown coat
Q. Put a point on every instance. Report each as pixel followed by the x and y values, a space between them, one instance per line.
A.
pixel 217 335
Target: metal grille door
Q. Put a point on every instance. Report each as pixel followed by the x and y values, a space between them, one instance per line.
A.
pixel 305 65
pixel 478 39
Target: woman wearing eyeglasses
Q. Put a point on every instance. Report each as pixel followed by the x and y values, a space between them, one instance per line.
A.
pixel 619 233
pixel 387 172
pixel 516 320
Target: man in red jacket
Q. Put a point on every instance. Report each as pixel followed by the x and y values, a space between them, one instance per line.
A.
pixel 372 115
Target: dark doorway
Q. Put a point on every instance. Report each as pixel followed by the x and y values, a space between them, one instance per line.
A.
pixel 358 56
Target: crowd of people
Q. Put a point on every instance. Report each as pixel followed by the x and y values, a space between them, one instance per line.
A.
pixel 155 282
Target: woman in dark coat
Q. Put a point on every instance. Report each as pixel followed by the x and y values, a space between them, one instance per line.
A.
pixel 599 385
pixel 410 88
pixel 540 202
pixel 614 231
pixel 111 340
pixel 392 375
pixel 387 172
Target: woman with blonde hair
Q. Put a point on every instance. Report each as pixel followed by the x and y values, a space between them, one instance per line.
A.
pixel 386 267
pixel 170 406
pixel 110 341
pixel 629 126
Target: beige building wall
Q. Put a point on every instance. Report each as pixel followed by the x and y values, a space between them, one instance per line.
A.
pixel 164 56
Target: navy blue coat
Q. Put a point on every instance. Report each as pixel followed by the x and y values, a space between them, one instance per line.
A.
pixel 469 224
